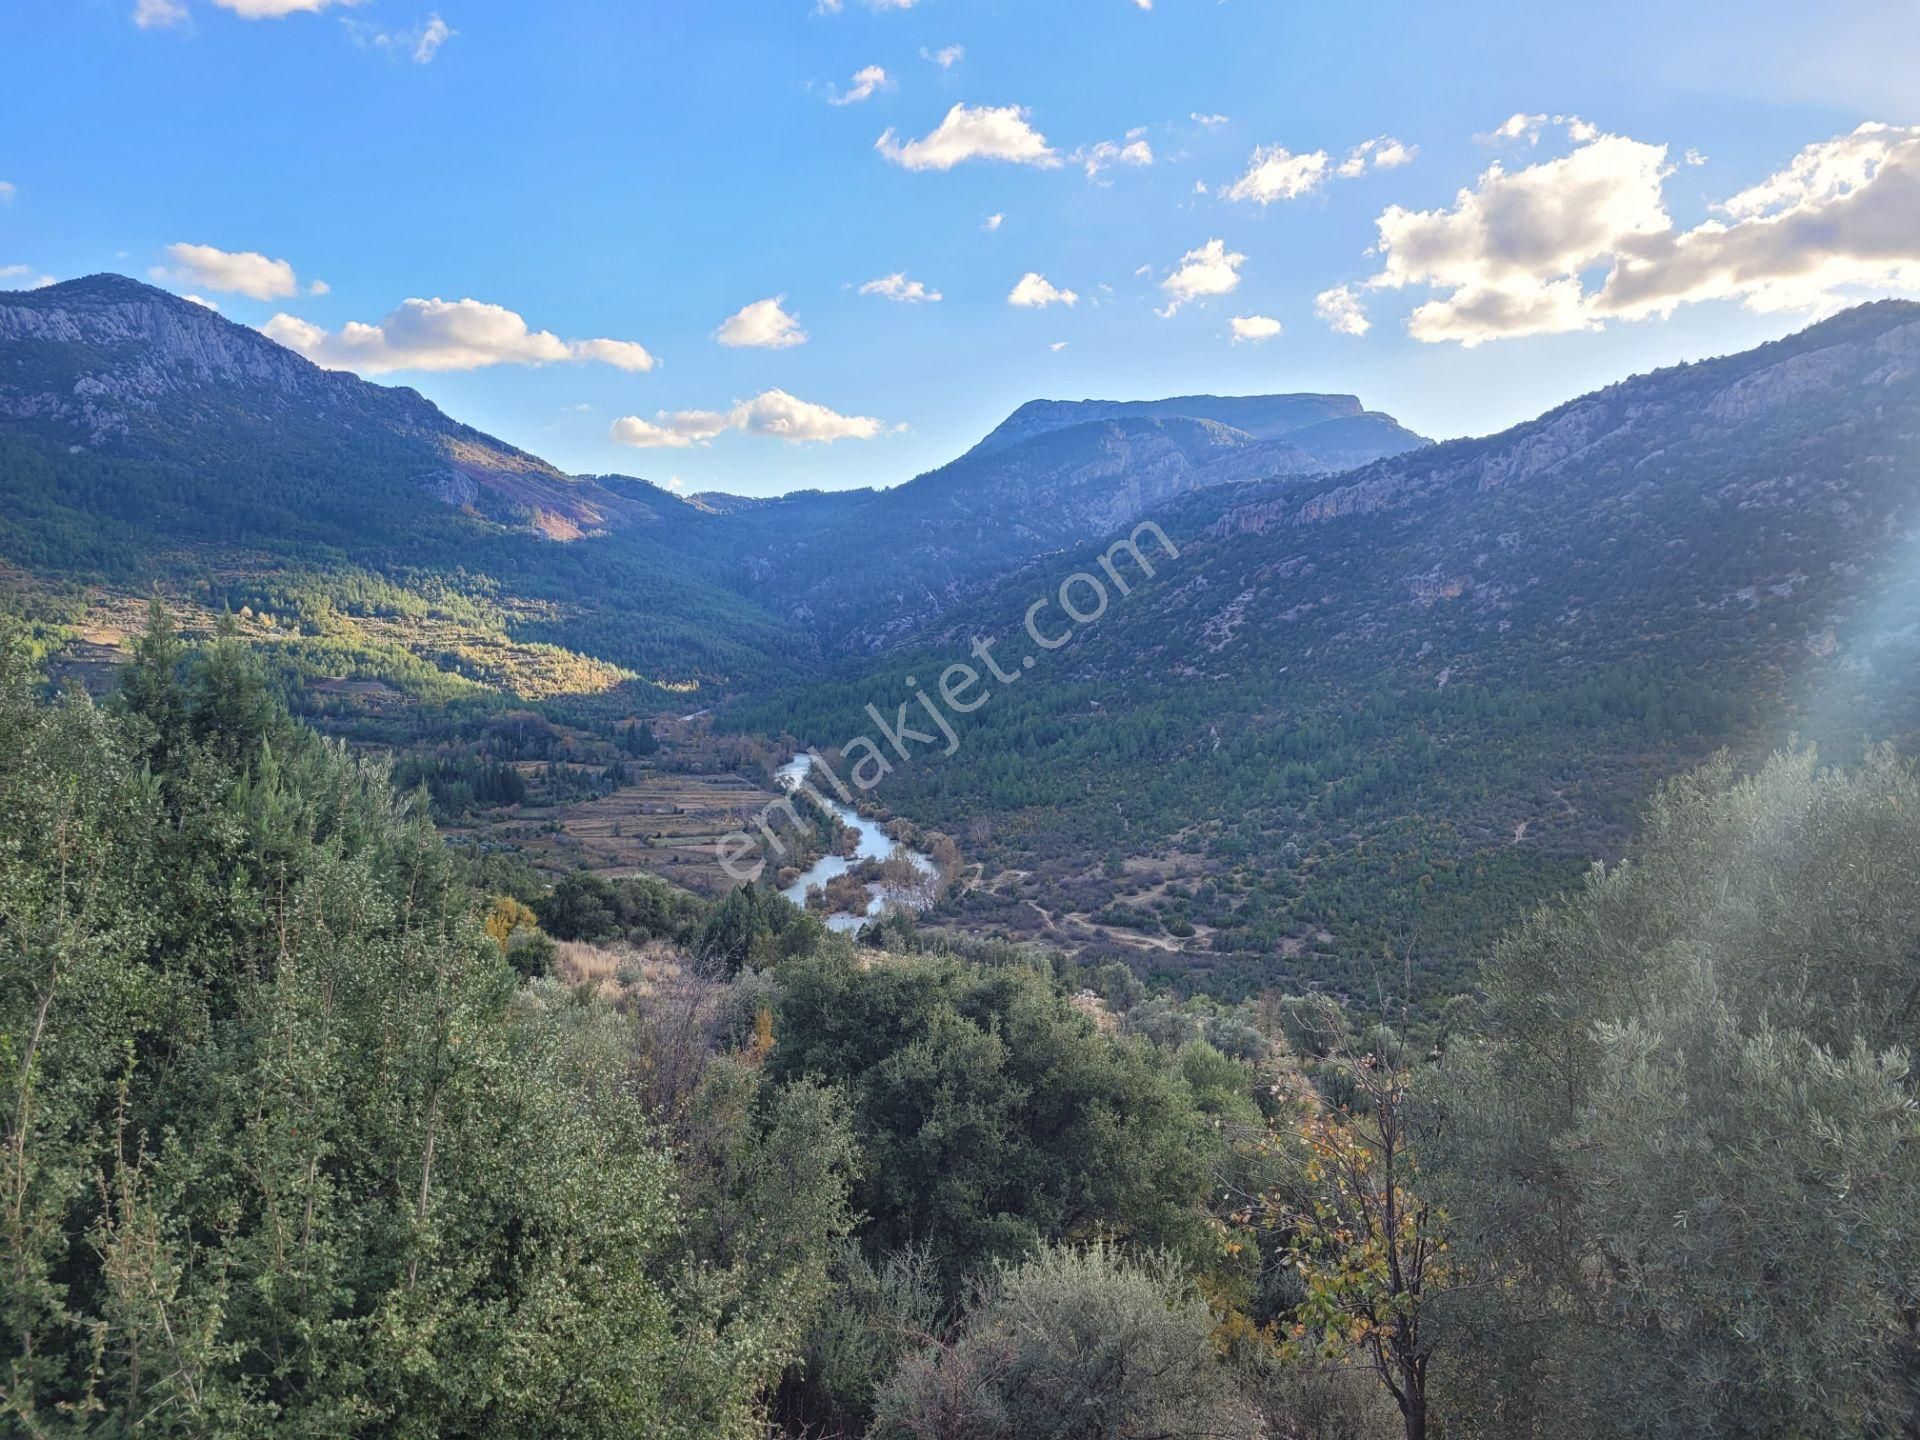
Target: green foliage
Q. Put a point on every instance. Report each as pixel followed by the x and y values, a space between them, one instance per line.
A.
pixel 993 1118
pixel 1397 708
pixel 755 927
pixel 1687 1147
pixel 586 906
pixel 282 1148
pixel 1075 1342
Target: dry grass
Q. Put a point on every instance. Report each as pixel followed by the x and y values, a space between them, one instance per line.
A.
pixel 625 975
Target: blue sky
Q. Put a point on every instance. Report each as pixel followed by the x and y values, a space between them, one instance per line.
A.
pixel 643 172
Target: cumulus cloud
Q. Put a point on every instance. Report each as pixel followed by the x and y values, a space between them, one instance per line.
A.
pixel 1208 271
pixel 1510 250
pixel 1342 311
pixel 1036 292
pixel 1523 126
pixel 645 435
pixel 1383 152
pixel 993 221
pixel 946 57
pixel 1104 155
pixel 7 191
pixel 1511 253
pixel 236 272
pixel 447 335
pixel 1057 346
pixel 1207 121
pixel 1545 221
pixel 984 132
pixel 1253 329
pixel 158 14
pixel 865 82
pixel 772 413
pixel 898 287
pixel 1845 213
pixel 1276 173
pixel 763 325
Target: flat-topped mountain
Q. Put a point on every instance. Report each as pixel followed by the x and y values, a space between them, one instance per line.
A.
pixel 1054 474
pixel 1386 709
pixel 1261 417
pixel 137 423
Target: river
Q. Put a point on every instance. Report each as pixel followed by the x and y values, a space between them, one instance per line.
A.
pixel 874 845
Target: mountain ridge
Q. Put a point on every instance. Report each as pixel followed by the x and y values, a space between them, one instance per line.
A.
pixel 1381 710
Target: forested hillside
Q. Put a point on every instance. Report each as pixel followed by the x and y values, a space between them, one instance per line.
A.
pixel 1360 722
pixel 145 439
pixel 311 1126
pixel 1373 718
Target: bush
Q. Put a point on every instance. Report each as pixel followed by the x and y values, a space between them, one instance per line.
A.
pixel 1074 1342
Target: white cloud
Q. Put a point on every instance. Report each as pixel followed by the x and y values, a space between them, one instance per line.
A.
pixel 277 9
pixel 800 422
pixel 773 413
pixel 1342 311
pixel 1210 270
pixel 1511 249
pixel 1694 157
pixel 1843 215
pixel 898 287
pixel 1207 121
pixel 645 435
pixel 1390 154
pixel 435 33
pixel 447 335
pixel 1545 221
pixel 1522 126
pixel 946 57
pixel 993 222
pixel 983 132
pixel 1036 292
pixel 237 272
pixel 158 14
pixel 202 300
pixel 1383 152
pixel 865 82
pixel 1057 346
pixel 7 191
pixel 1276 173
pixel 1254 329
pixel 1516 307
pixel 762 325
pixel 319 287
pixel 1134 150
pixel 25 274
pixel 628 355
pixel 419 44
